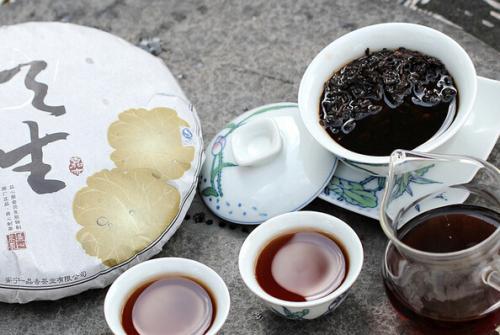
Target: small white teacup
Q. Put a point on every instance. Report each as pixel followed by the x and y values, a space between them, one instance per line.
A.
pixel 153 269
pixel 293 222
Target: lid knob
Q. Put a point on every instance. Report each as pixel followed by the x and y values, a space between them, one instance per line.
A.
pixel 256 142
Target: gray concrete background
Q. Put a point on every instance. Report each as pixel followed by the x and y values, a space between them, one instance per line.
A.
pixel 481 18
pixel 231 56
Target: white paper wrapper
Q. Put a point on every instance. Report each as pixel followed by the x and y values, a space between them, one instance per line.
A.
pixel 99 158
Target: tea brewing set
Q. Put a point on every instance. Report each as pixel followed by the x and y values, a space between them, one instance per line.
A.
pixel 115 168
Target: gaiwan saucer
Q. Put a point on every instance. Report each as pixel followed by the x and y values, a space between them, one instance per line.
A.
pixel 361 192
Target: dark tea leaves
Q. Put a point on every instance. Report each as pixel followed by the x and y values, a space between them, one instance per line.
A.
pixel 387 100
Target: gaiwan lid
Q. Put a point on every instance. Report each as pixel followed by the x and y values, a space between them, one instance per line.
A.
pixel 99 158
pixel 262 164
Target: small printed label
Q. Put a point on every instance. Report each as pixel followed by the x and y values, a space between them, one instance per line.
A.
pixel 9 208
pixel 187 136
pixel 44 281
pixel 16 241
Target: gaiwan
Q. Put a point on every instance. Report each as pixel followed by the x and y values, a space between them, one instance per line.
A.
pixel 99 157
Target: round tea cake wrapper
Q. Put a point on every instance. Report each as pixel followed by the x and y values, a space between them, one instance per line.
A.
pixel 262 164
pixel 99 157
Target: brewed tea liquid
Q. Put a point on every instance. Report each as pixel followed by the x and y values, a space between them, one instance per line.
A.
pixel 301 266
pixel 405 127
pixel 169 306
pixel 446 229
pixel 450 228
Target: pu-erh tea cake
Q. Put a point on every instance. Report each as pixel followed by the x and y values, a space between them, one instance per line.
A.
pixel 99 157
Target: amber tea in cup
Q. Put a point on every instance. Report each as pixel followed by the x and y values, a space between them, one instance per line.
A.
pixel 168 295
pixel 175 305
pixel 302 266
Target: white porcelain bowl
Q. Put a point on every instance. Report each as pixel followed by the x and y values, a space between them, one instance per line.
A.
pixel 292 222
pixel 131 279
pixel 391 36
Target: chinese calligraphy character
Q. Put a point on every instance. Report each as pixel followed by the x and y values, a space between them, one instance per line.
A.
pixel 37 168
pixel 39 89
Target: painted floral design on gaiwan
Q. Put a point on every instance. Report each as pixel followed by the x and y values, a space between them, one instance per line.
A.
pixel 365 193
pixel 218 164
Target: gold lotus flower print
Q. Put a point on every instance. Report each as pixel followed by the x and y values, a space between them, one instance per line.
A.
pixel 122 212
pixel 151 139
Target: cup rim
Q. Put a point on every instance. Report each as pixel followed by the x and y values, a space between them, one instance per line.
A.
pixel 243 261
pixel 113 302
pixel 321 59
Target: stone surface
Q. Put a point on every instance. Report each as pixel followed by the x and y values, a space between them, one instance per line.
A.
pixel 480 18
pixel 231 56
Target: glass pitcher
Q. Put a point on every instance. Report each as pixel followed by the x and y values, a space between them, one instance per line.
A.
pixel 450 284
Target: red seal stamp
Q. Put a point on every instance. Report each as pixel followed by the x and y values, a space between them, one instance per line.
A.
pixel 76 165
pixel 16 241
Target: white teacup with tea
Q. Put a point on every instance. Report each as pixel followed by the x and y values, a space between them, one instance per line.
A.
pixel 168 296
pixel 301 264
pixel 338 55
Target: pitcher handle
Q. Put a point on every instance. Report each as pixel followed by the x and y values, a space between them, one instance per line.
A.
pixel 491 277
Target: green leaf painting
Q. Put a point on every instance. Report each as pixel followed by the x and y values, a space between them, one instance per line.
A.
pixel 209 192
pixel 404 181
pixel 364 193
pixel 356 193
pixel 299 315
